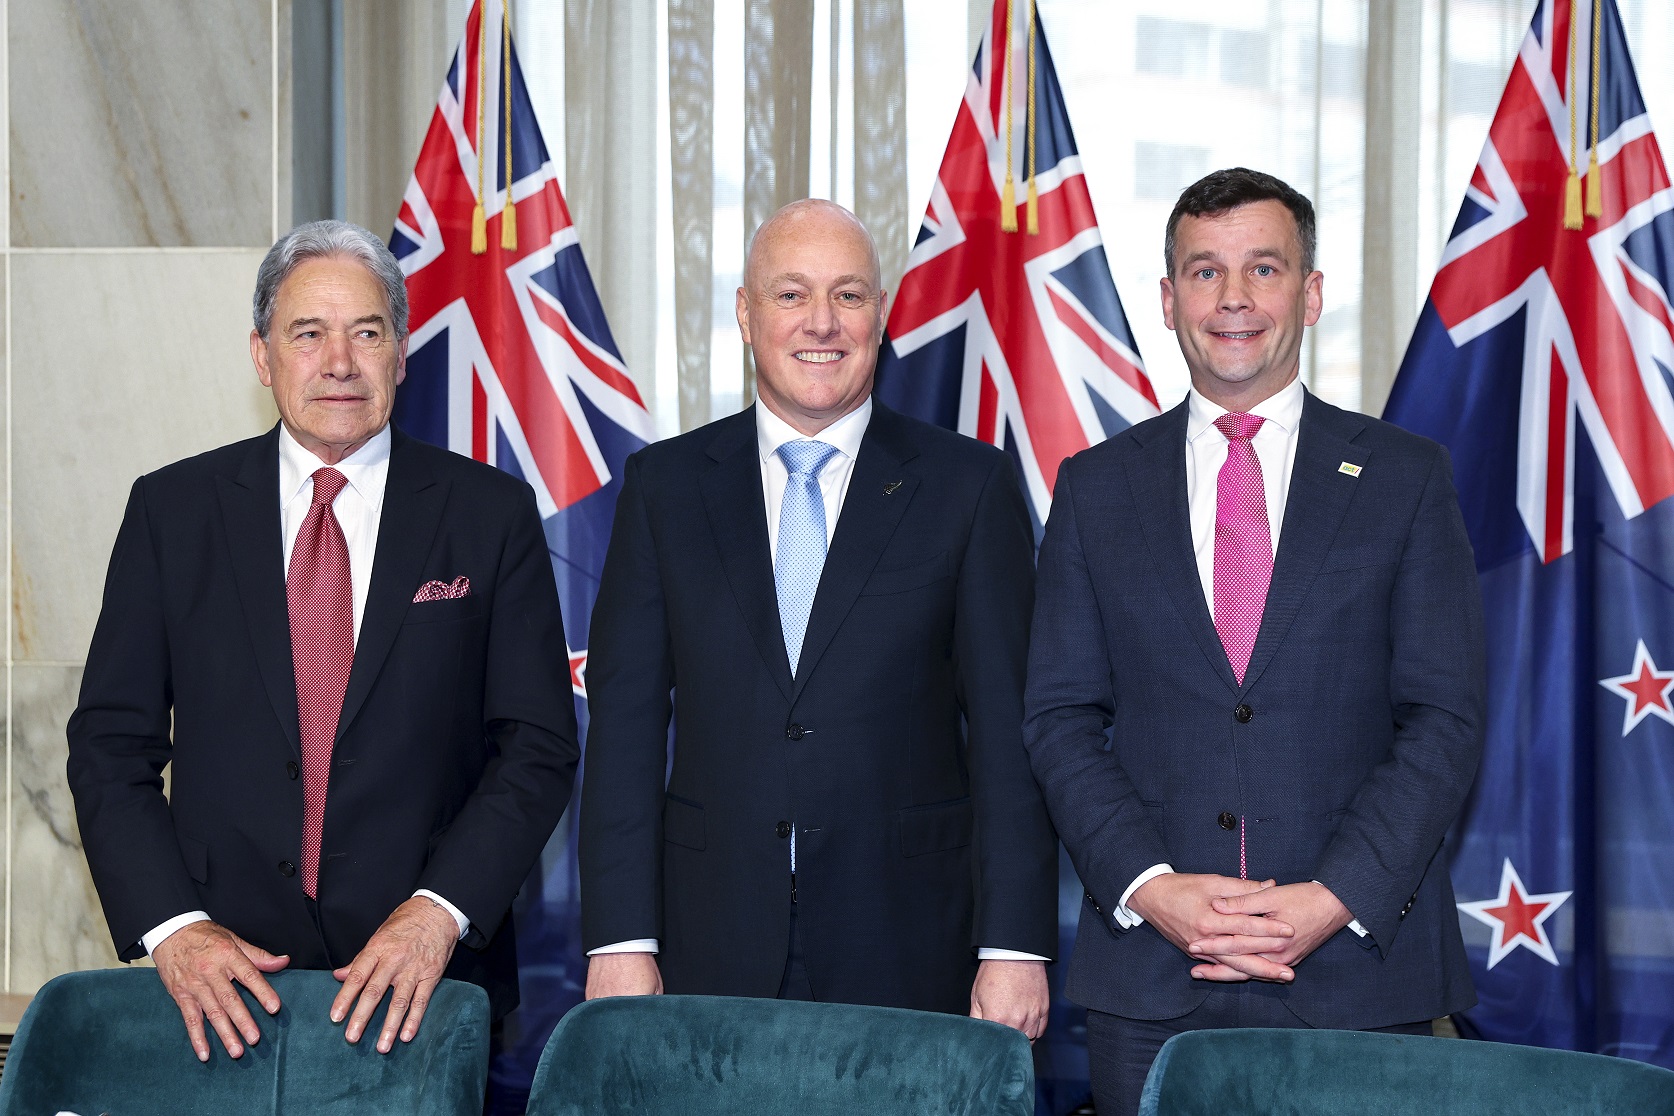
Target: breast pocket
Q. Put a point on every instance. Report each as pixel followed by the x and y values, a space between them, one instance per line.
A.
pixel 437 612
pixel 905 578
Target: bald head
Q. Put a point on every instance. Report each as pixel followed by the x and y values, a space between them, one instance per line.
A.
pixel 811 310
pixel 812 220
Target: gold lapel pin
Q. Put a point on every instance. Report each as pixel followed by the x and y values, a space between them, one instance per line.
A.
pixel 1350 468
pixel 891 487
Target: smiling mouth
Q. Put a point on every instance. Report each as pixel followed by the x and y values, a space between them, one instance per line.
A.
pixel 1243 335
pixel 811 357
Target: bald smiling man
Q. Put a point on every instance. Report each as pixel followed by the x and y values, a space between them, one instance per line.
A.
pixel 832 601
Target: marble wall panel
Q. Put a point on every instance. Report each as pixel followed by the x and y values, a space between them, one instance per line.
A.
pixel 148 123
pixel 57 924
pixel 121 362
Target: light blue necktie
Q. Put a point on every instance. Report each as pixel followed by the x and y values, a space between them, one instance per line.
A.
pixel 801 552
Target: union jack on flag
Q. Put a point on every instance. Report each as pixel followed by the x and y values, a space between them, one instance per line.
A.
pixel 511 362
pixel 1542 360
pixel 1015 338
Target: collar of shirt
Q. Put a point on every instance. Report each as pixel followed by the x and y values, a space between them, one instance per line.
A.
pixel 1282 409
pixel 846 433
pixel 366 469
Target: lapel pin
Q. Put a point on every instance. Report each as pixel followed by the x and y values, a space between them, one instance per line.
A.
pixel 891 487
pixel 1350 468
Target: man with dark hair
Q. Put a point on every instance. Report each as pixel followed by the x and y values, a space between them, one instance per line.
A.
pixel 346 646
pixel 1255 694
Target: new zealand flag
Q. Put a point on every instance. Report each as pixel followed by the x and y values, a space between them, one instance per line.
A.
pixel 511 362
pixel 1542 360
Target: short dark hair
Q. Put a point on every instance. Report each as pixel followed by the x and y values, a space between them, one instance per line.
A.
pixel 1224 190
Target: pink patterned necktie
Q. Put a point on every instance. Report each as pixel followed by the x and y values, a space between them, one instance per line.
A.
pixel 1243 542
pixel 321 605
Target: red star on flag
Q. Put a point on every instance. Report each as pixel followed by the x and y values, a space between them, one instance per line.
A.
pixel 578 672
pixel 1645 688
pixel 1518 918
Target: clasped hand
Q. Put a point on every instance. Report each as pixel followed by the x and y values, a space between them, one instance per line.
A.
pixel 1240 930
pixel 201 962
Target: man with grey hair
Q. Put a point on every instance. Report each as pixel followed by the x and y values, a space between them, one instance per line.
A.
pixel 346 645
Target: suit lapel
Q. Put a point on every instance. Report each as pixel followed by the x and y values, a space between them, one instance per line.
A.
pixel 250 510
pixel 732 498
pixel 1159 490
pixel 1314 509
pixel 413 502
pixel 870 516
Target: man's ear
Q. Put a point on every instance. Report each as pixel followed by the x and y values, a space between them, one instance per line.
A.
pixel 741 304
pixel 258 357
pixel 1168 302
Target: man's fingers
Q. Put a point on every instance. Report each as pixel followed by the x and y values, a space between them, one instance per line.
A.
pixel 415 1013
pixel 1218 945
pixel 221 1023
pixel 367 1003
pixel 353 977
pixel 193 1015
pixel 401 1001
pixel 1218 972
pixel 251 977
pixel 1257 967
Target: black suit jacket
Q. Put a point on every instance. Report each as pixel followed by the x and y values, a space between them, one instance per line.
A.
pixel 896 750
pixel 1348 748
pixel 456 749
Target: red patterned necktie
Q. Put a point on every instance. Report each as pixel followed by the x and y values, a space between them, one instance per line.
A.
pixel 321 599
pixel 1243 542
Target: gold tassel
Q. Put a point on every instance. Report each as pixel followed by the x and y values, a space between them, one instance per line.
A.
pixel 508 212
pixel 479 219
pixel 1572 180
pixel 1029 123
pixel 1595 181
pixel 1572 204
pixel 1008 191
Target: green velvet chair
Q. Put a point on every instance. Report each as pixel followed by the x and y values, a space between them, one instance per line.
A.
pixel 1302 1072
pixel 112 1041
pixel 703 1055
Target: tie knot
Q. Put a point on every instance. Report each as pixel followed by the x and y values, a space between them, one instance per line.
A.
pixel 806 456
pixel 1237 425
pixel 328 482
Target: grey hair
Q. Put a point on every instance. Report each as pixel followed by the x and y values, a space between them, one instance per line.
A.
pixel 319 239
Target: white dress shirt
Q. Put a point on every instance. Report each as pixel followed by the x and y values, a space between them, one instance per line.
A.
pixel 845 435
pixel 359 509
pixel 1206 447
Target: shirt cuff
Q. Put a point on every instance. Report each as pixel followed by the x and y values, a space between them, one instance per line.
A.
pixel 1125 918
pixel 458 915
pixel 155 938
pixel 638 945
pixel 989 953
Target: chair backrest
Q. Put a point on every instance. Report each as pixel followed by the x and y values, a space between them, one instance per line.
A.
pixel 1330 1072
pixel 112 1041
pixel 697 1055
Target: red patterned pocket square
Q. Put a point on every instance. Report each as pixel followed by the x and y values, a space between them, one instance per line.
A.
pixel 443 591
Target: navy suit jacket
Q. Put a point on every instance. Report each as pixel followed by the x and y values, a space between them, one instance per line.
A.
pixel 1348 748
pixel 896 750
pixel 454 755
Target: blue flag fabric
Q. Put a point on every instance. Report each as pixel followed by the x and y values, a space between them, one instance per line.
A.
pixel 1542 360
pixel 511 362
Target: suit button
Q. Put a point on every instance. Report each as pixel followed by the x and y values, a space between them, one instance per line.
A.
pixel 1227 821
pixel 291 768
pixel 1097 909
pixel 287 869
pixel 1242 713
pixel 795 732
pixel 783 829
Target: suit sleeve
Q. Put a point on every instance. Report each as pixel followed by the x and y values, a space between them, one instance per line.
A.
pixel 630 677
pixel 1437 691
pixel 1016 859
pixel 119 744
pixel 528 719
pixel 1069 706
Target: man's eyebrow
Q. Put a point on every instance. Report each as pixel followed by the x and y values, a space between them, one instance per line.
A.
pixel 364 319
